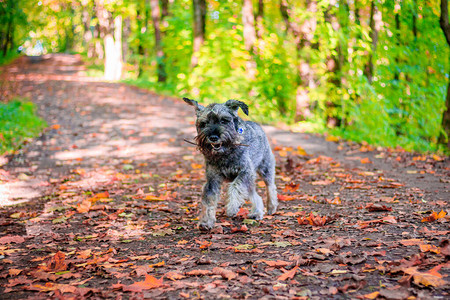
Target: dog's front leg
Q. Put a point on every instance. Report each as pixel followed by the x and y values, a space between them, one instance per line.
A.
pixel 238 191
pixel 210 198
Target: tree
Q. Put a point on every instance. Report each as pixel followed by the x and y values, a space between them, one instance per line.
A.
pixel 248 21
pixel 156 18
pixel 199 7
pixel 303 33
pixel 142 22
pixel 444 22
pixel 8 17
pixel 259 19
pixel 111 32
pixel 375 25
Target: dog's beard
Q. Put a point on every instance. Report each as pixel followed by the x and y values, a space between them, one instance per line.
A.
pixel 227 141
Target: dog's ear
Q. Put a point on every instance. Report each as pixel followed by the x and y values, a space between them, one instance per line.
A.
pixel 194 103
pixel 235 104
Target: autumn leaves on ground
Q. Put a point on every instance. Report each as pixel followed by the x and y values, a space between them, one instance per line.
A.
pixel 104 205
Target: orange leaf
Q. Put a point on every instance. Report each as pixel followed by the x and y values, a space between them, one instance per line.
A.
pixel 198 273
pixel 153 198
pixel 316 220
pixel 84 206
pixel 174 276
pixel 196 166
pixel 283 153
pixel 285 197
pixel 275 264
pixel 98 196
pixel 288 274
pixel 373 295
pixel 56 263
pixel 159 264
pixel 366 161
pixel 243 212
pixel 430 248
pixel 84 254
pixel 322 182
pixel 150 282
pixel 225 273
pixel 291 187
pixel 441 214
pixel 434 216
pixel 14 272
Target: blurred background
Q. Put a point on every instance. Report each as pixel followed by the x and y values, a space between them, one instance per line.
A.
pixel 365 70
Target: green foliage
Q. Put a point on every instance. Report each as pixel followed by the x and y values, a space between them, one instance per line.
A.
pixel 401 106
pixel 18 121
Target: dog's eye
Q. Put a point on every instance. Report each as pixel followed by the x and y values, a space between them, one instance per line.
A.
pixel 225 121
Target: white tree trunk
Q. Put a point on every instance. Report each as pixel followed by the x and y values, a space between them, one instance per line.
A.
pixel 113 51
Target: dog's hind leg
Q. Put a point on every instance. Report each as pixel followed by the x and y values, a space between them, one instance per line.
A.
pixel 267 172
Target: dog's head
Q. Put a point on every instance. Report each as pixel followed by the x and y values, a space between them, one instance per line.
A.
pixel 219 128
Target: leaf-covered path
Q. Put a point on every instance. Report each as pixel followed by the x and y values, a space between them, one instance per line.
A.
pixel 104 205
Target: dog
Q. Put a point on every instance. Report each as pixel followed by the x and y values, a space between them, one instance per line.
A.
pixel 235 151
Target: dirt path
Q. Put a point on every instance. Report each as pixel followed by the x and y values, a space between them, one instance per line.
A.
pixel 104 204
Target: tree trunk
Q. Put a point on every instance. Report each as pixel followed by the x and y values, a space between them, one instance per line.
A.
pixel 198 29
pixel 248 20
pixel 259 20
pixel 164 9
pixel 141 17
pixel 113 51
pixel 375 26
pixel 445 26
pixel 397 35
pixel 111 32
pixel 156 18
pixel 303 35
pixel 9 36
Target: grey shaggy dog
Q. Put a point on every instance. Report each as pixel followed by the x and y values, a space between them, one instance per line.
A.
pixel 235 151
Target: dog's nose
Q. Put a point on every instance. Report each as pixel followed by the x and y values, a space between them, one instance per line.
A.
pixel 213 138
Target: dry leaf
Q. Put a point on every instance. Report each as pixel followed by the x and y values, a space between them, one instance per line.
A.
pixel 288 274
pixel 150 282
pixel 225 273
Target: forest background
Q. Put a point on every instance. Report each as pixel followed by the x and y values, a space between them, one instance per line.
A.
pixel 374 71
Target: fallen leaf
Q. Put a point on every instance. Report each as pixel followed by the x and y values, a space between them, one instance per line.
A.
pixel 291 187
pixel 429 248
pixel 11 239
pixel 174 275
pixel 225 273
pixel 430 278
pixel 275 264
pixel 434 216
pixel 150 282
pixel 56 263
pixel 198 272
pixel 288 274
pixel 377 207
pixel 373 295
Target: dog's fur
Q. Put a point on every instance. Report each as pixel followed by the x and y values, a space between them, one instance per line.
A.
pixel 235 150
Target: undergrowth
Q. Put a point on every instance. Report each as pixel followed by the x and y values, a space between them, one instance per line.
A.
pixel 18 122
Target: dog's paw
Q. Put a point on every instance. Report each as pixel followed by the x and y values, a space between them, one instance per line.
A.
pixel 271 210
pixel 206 225
pixel 257 215
pixel 232 211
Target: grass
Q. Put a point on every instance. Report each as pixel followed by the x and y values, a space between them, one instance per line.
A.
pixel 9 57
pixel 18 122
